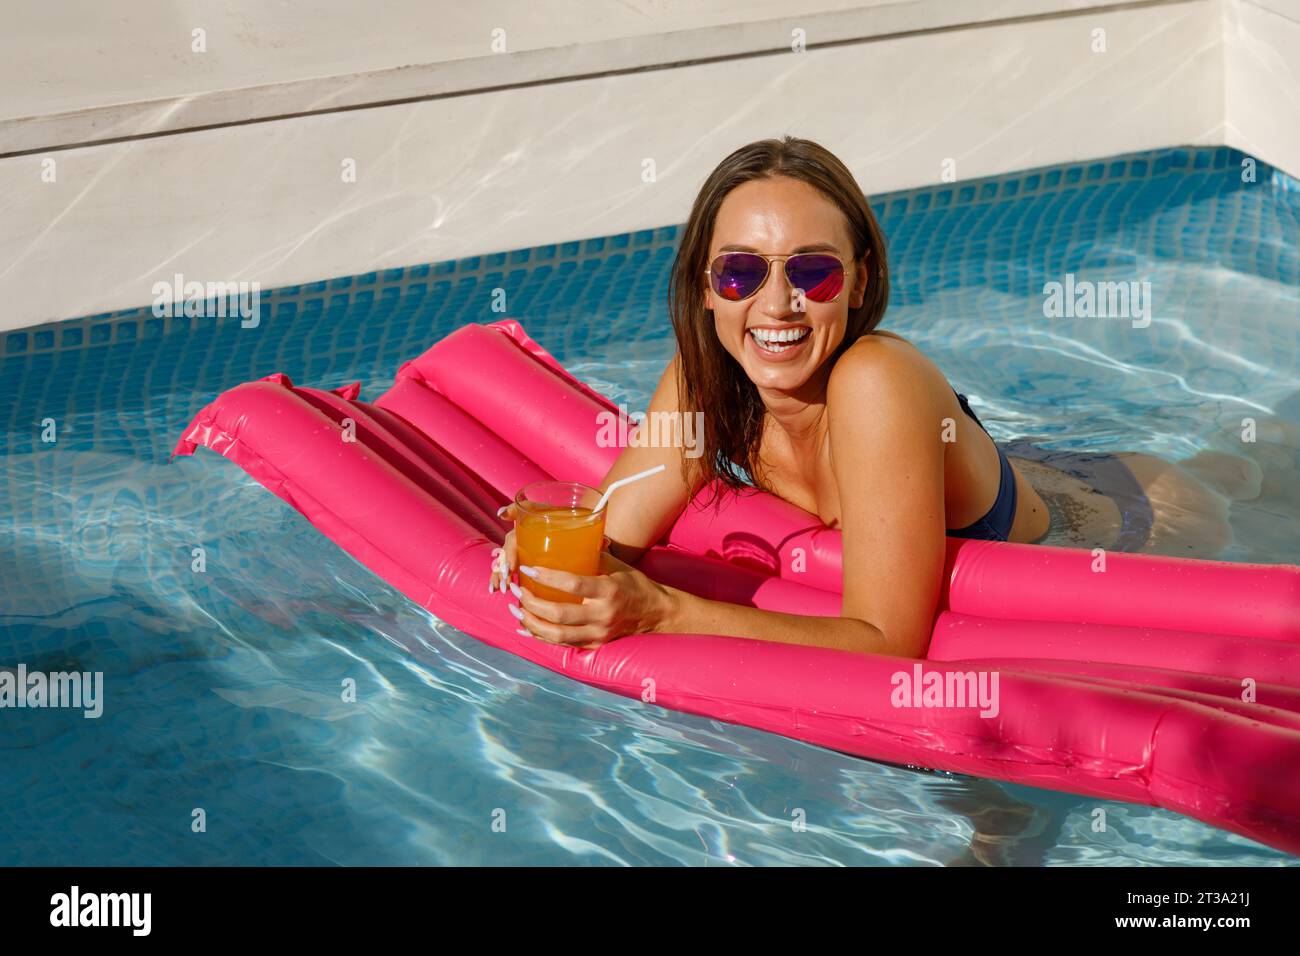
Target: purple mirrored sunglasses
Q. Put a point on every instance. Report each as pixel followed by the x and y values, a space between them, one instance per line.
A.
pixel 738 275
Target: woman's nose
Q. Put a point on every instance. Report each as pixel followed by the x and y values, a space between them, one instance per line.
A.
pixel 776 297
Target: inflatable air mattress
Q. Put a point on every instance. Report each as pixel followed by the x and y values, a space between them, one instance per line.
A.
pixel 1162 681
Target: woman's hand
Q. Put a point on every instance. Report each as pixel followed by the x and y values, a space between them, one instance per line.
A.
pixel 507 558
pixel 618 601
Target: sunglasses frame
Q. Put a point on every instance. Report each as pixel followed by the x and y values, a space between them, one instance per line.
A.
pixel 846 265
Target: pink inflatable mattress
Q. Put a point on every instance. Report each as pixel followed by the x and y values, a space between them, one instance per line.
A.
pixel 1162 681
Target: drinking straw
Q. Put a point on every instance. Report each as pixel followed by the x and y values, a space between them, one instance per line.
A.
pixel 626 481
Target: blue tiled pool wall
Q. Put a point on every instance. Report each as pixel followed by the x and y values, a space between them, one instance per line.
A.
pixel 574 297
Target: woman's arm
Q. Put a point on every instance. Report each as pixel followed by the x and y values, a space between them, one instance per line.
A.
pixel 686 613
pixel 623 600
pixel 887 405
pixel 641 513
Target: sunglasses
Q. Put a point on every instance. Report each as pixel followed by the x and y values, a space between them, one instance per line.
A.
pixel 738 275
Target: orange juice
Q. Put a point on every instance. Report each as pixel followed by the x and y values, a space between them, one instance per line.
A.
pixel 564 537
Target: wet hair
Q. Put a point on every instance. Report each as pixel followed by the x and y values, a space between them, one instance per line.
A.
pixel 710 378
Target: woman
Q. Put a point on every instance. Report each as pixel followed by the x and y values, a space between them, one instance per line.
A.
pixel 778 287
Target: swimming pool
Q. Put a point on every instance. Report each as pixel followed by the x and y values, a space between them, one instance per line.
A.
pixel 223 688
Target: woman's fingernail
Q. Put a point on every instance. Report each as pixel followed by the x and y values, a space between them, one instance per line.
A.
pixel 514 609
pixel 522 633
pixel 515 590
pixel 501 512
pixel 525 569
pixel 489 585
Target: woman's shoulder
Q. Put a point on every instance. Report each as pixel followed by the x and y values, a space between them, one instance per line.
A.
pixel 891 362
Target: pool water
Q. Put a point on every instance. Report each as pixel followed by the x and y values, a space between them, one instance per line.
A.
pixel 224 688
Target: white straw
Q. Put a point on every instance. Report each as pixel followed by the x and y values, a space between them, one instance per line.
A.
pixel 626 481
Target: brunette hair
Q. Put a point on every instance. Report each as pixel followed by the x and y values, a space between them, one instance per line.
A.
pixel 710 378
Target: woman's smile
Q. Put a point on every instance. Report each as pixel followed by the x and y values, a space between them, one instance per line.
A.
pixel 778 344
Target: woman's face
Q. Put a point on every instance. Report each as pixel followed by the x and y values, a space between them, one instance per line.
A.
pixel 782 216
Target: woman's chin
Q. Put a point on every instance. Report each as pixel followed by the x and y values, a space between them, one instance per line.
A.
pixel 786 369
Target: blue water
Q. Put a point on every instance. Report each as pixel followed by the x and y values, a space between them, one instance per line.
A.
pixel 224 688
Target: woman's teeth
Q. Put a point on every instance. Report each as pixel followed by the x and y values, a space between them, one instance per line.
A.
pixel 778 341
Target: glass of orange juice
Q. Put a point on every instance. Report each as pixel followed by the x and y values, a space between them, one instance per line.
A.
pixel 556 526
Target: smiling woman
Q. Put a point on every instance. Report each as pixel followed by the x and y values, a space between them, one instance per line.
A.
pixel 794 202
pixel 779 284
pixel 797 393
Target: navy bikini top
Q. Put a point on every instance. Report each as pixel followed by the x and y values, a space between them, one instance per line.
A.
pixel 996 524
